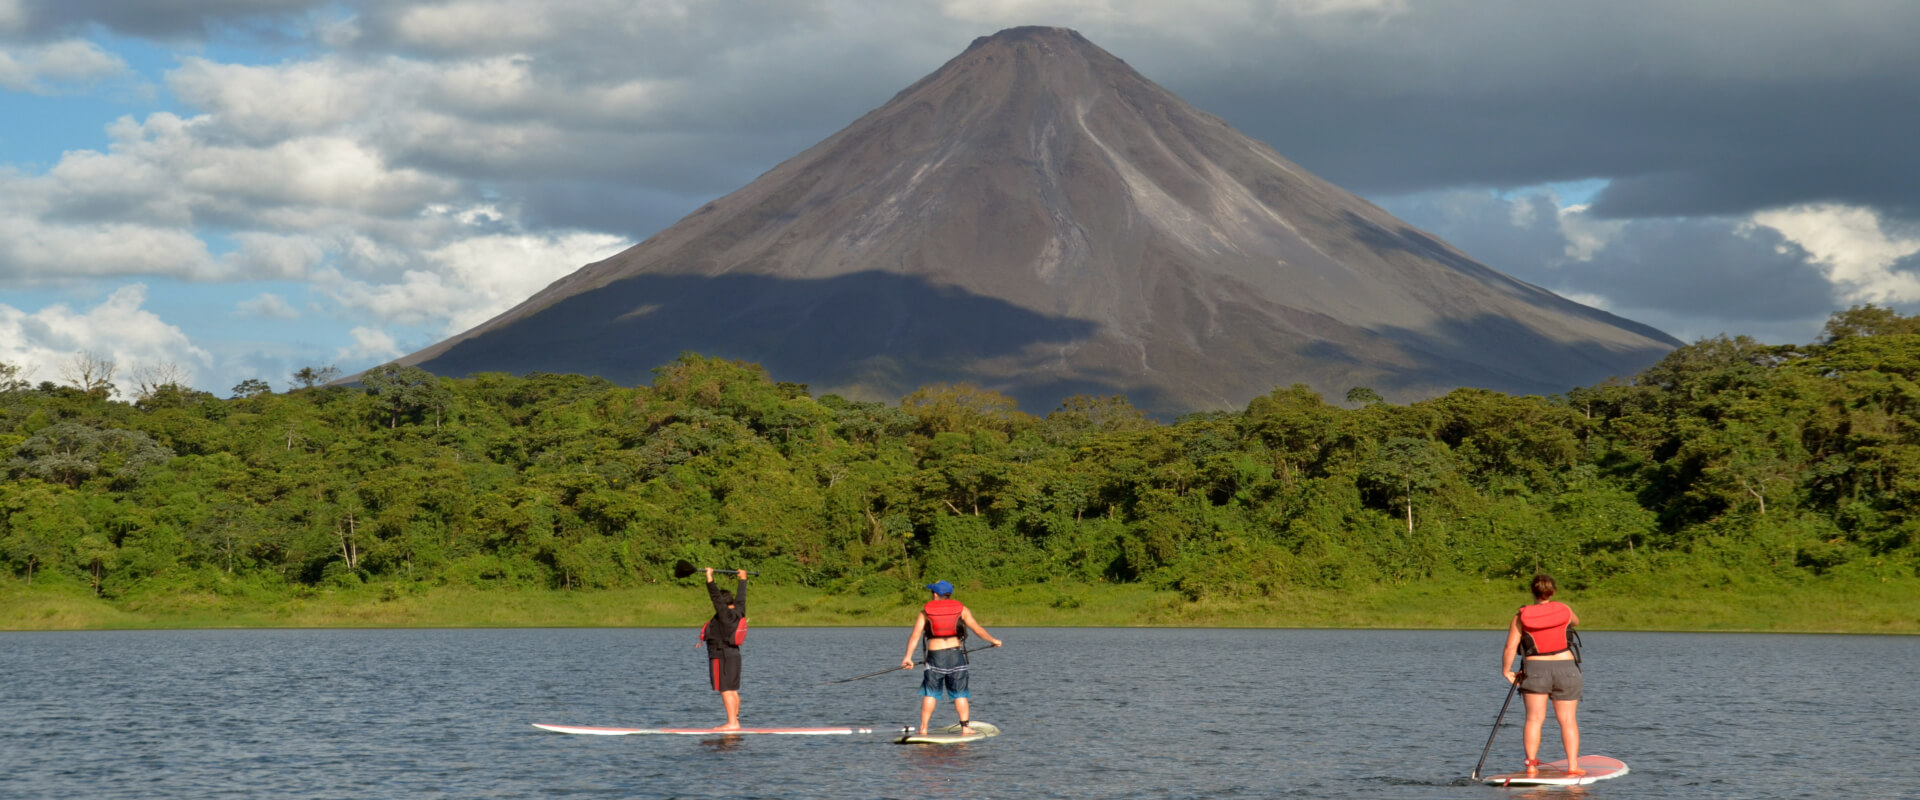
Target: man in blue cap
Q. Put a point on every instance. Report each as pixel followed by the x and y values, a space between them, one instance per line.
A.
pixel 945 622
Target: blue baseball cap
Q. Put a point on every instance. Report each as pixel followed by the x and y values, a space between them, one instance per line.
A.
pixel 940 587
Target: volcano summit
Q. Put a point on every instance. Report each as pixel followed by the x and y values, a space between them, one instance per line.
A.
pixel 1037 218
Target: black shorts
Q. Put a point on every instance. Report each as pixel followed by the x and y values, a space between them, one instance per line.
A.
pixel 723 669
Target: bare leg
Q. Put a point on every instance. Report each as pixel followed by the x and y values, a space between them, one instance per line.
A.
pixel 926 713
pixel 960 705
pixel 731 700
pixel 1565 711
pixel 1536 720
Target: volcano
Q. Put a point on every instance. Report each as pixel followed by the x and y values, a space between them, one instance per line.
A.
pixel 1036 217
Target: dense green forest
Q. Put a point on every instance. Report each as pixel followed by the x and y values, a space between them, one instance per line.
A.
pixel 1729 462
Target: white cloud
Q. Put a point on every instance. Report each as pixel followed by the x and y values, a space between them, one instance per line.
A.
pixel 52 67
pixel 262 103
pixel 1587 235
pixel 139 208
pixel 466 281
pixel 369 345
pixel 34 251
pixel 266 306
pixel 187 171
pixel 118 329
pixel 1852 246
pixel 265 255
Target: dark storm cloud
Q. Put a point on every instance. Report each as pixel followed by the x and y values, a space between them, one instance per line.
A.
pixel 1692 277
pixel 166 19
pixel 1698 108
pixel 728 90
pixel 1690 265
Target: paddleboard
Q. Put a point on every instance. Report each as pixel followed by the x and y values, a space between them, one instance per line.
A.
pixel 951 734
pixel 592 730
pixel 1599 768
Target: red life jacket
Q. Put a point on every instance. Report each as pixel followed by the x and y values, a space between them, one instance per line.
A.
pixel 1546 625
pixel 739 632
pixel 943 618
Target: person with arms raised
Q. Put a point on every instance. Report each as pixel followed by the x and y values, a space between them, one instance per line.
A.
pixel 944 622
pixel 724 634
pixel 1549 671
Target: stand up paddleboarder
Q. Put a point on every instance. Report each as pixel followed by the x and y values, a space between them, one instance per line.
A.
pixel 1550 670
pixel 945 622
pixel 724 635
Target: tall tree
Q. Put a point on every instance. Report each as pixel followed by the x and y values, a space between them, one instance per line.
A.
pixel 1405 466
pixel 400 390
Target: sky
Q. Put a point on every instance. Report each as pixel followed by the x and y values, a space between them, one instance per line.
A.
pixel 241 188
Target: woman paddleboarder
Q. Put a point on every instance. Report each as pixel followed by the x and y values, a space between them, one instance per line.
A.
pixel 941 620
pixel 1548 671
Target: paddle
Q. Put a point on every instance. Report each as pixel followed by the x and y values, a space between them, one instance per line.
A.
pixel 897 669
pixel 1511 688
pixel 683 569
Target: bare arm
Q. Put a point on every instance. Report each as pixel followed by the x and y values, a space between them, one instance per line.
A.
pixel 966 616
pixel 919 626
pixel 1506 651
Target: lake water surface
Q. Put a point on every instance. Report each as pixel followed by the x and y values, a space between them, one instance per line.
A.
pixel 1087 713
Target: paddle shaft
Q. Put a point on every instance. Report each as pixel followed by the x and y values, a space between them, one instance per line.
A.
pixel 1511 689
pixel 683 569
pixel 897 669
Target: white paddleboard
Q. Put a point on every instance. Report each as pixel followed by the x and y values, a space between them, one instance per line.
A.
pixel 592 730
pixel 950 734
pixel 1599 768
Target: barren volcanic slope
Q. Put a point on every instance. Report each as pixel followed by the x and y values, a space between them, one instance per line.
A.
pixel 1038 218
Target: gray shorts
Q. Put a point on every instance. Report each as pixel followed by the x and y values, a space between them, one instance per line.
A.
pixel 1558 680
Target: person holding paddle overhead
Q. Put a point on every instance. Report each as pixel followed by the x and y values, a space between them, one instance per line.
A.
pixel 944 621
pixel 1550 670
pixel 724 635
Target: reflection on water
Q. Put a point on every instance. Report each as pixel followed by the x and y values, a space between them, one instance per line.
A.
pixel 1084 713
pixel 723 744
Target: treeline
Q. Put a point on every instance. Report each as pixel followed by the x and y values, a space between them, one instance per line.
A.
pixel 1729 461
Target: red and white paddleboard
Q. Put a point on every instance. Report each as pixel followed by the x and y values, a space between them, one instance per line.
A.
pixel 599 731
pixel 1599 768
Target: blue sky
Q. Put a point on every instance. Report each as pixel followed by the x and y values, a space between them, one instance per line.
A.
pixel 241 188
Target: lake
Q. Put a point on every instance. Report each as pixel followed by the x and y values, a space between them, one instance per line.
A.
pixel 1087 713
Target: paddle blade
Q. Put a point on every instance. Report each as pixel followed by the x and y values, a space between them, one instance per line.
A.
pixel 682 569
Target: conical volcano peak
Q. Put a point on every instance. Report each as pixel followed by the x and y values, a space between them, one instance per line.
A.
pixel 1037 217
pixel 1029 60
pixel 1034 34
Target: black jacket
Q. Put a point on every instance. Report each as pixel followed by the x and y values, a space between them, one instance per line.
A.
pixel 725 620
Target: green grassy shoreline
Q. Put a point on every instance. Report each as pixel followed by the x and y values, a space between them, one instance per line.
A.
pixel 1853 607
